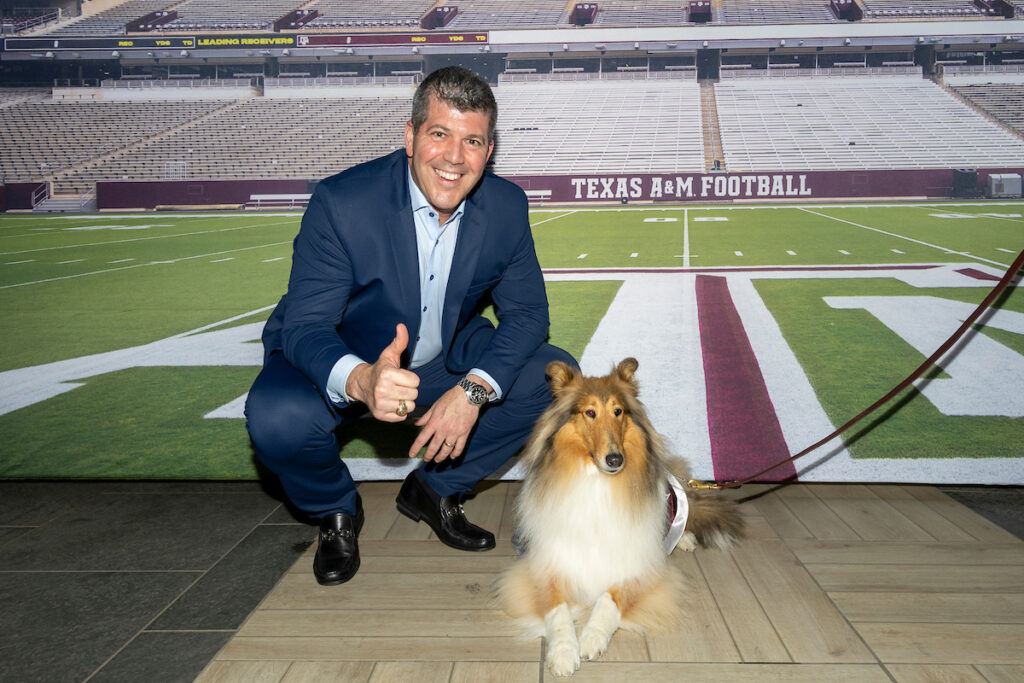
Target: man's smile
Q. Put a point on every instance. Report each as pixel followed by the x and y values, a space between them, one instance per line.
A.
pixel 448 176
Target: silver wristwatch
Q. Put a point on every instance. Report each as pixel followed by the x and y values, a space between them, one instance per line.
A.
pixel 476 394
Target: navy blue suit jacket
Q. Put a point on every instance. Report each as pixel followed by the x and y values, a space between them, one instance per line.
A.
pixel 355 274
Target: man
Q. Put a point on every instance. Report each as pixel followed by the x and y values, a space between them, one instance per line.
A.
pixel 392 265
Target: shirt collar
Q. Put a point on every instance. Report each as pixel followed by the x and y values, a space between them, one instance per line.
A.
pixel 419 201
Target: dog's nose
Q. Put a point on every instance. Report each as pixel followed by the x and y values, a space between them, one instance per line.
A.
pixel 614 460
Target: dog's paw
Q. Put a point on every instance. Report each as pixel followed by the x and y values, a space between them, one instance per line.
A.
pixel 593 643
pixel 563 658
pixel 688 542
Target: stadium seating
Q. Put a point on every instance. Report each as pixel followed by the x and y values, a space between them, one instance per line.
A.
pixel 897 10
pixel 379 14
pixel 1004 101
pixel 641 13
pixel 775 12
pixel 599 127
pixel 480 15
pixel 38 138
pixel 875 122
pixel 111 21
pixel 228 14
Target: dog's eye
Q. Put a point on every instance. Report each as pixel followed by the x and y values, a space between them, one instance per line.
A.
pixel 618 412
pixel 591 413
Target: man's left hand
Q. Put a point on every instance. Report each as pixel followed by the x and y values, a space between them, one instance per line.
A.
pixel 446 426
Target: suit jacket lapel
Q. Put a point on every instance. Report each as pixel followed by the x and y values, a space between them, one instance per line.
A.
pixel 402 236
pixel 467 250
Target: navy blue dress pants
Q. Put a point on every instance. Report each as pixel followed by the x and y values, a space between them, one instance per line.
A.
pixel 293 429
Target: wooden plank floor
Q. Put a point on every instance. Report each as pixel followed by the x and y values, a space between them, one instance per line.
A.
pixel 835 583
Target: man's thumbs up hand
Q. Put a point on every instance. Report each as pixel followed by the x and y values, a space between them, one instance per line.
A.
pixel 384 386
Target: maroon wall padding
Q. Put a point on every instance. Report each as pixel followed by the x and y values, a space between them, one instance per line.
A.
pixel 19 195
pixel 150 194
pixel 3 197
pixel 799 185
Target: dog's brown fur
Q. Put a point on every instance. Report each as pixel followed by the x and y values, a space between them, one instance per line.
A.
pixel 593 528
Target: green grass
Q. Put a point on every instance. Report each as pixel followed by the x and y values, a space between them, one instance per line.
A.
pixel 62 298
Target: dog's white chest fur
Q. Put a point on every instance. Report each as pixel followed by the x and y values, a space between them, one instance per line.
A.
pixel 587 536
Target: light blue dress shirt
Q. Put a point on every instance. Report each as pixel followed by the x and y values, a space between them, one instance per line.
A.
pixel 435 247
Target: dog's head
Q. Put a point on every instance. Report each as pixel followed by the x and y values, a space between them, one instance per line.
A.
pixel 598 414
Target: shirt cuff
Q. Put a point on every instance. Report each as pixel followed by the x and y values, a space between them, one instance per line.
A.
pixel 338 379
pixel 494 395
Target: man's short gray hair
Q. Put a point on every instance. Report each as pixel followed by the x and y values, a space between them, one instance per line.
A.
pixel 457 87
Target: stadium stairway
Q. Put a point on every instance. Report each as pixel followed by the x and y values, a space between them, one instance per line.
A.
pixel 66 204
pixel 980 111
pixel 712 133
pixel 63 182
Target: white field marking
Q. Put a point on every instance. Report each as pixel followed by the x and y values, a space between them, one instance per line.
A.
pixel 791 252
pixel 661 220
pixel 686 238
pixel 141 239
pixel 230 346
pixel 141 226
pixel 844 252
pixel 1008 251
pixel 121 260
pixel 897 251
pixel 1008 216
pixel 710 219
pixel 581 256
pixel 759 207
pixel 555 218
pixel 634 254
pixel 271 260
pixel 74 260
pixel 14 263
pixel 902 237
pixel 983 374
pixel 738 253
pixel 222 260
pixel 141 265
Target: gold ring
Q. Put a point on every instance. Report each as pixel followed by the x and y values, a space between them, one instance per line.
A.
pixel 449 445
pixel 402 410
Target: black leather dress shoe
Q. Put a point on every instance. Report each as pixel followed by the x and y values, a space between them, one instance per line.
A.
pixel 443 514
pixel 337 551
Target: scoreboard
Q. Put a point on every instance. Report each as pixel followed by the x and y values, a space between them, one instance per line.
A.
pixel 246 41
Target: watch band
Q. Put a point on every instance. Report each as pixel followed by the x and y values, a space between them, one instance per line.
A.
pixel 476 394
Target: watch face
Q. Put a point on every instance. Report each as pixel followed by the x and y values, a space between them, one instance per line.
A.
pixel 475 393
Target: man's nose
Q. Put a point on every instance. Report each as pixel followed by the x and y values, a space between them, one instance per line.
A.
pixel 453 152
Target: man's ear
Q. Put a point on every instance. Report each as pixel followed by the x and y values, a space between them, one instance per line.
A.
pixel 410 134
pixel 626 371
pixel 560 375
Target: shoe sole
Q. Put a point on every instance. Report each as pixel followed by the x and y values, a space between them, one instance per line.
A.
pixel 415 516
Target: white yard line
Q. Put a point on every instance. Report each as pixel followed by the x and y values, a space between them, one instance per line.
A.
pixel 14 263
pixel 791 252
pixel 844 252
pixel 897 251
pixel 686 238
pixel 1006 251
pixel 903 237
pixel 74 260
pixel 276 258
pixel 140 239
pixel 222 260
pixel 581 256
pixel 141 265
pixel 121 260
pixel 555 218
pixel 634 254
pixel 738 253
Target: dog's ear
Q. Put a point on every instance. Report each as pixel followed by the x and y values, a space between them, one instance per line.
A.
pixel 626 369
pixel 560 375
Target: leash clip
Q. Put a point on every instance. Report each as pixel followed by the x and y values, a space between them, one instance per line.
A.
pixel 703 485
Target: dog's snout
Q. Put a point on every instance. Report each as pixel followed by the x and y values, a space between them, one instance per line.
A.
pixel 614 460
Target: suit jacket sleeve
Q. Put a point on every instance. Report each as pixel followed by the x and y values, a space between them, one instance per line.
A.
pixel 318 291
pixel 522 307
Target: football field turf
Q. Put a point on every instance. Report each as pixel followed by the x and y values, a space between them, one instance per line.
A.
pixel 131 339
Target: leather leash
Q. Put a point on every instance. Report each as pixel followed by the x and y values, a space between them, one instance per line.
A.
pixel 929 362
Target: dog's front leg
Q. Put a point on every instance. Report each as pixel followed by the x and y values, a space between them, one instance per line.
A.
pixel 604 621
pixel 563 656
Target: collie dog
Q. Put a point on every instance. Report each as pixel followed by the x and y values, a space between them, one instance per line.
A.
pixel 592 517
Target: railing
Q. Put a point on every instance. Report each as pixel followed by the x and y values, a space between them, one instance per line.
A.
pixel 687 74
pixel 41 193
pixel 178 83
pixel 11 25
pixel 76 82
pixel 807 73
pixel 983 69
pixel 331 81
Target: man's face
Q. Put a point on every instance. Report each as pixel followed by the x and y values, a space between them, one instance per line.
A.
pixel 448 154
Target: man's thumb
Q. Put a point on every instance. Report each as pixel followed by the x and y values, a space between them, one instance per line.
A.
pixel 393 351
